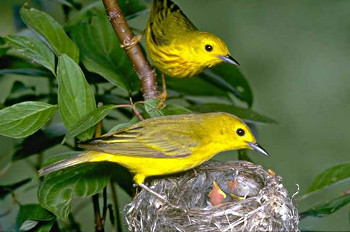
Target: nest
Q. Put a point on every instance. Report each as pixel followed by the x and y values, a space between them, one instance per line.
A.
pixel 255 201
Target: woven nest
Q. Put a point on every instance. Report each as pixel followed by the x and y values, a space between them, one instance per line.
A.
pixel 255 201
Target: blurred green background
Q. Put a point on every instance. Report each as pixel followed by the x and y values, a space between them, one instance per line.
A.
pixel 296 57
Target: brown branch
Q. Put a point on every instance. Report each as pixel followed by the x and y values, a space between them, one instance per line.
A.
pixel 142 67
pixel 104 209
pixel 98 222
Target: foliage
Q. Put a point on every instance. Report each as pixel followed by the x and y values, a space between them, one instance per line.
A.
pixel 83 64
pixel 59 188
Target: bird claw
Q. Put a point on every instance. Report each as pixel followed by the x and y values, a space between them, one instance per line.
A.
pixel 162 97
pixel 127 44
pixel 160 197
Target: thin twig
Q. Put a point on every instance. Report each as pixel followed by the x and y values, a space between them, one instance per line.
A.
pixel 104 208
pixel 111 217
pixel 142 67
pixel 132 105
pixel 98 221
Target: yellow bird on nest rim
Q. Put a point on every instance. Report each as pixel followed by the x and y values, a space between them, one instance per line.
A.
pixel 165 145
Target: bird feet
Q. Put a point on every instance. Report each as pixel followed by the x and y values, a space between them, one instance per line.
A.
pixel 127 44
pixel 162 97
pixel 160 197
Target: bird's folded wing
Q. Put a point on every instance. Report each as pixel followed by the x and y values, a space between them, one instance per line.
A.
pixel 170 143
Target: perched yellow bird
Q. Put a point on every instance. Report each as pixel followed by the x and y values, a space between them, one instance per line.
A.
pixel 176 47
pixel 165 145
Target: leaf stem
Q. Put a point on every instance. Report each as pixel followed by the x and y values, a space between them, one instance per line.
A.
pixel 142 67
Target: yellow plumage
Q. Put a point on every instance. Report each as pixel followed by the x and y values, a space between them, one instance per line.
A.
pixel 176 47
pixel 165 145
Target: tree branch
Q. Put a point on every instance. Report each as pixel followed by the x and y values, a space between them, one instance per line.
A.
pixel 142 67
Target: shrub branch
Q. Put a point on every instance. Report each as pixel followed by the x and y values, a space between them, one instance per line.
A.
pixel 141 65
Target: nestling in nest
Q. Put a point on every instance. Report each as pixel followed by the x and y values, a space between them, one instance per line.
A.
pixel 217 196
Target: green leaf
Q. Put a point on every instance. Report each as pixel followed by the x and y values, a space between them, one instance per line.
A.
pixel 7 189
pixel 330 176
pixel 33 49
pixel 169 109
pixel 40 141
pixel 3 50
pixel 327 208
pixel 151 108
pixel 67 3
pixel 122 125
pixel 23 119
pixel 132 8
pixel 89 121
pixel 11 100
pixel 51 31
pixel 229 78
pixel 59 188
pixel 3 46
pixel 24 71
pixel 173 109
pixel 75 96
pixel 59 157
pixel 28 225
pixel 2 41
pixel 33 215
pixel 101 53
pixel 194 87
pixel 243 113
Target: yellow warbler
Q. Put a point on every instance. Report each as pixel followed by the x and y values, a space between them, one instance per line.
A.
pixel 176 47
pixel 165 145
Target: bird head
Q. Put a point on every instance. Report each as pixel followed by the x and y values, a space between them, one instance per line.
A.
pixel 211 50
pixel 234 134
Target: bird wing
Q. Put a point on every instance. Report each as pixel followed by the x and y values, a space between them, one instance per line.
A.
pixel 168 21
pixel 168 139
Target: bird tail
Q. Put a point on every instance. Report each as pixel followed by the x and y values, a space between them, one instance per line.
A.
pixel 81 158
pixel 162 5
pixel 157 5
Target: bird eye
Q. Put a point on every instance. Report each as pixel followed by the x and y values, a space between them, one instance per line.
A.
pixel 208 47
pixel 240 132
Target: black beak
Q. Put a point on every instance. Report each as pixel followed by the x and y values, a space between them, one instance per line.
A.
pixel 258 148
pixel 229 59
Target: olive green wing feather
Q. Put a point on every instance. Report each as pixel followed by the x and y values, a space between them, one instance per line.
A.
pixel 162 139
pixel 166 21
